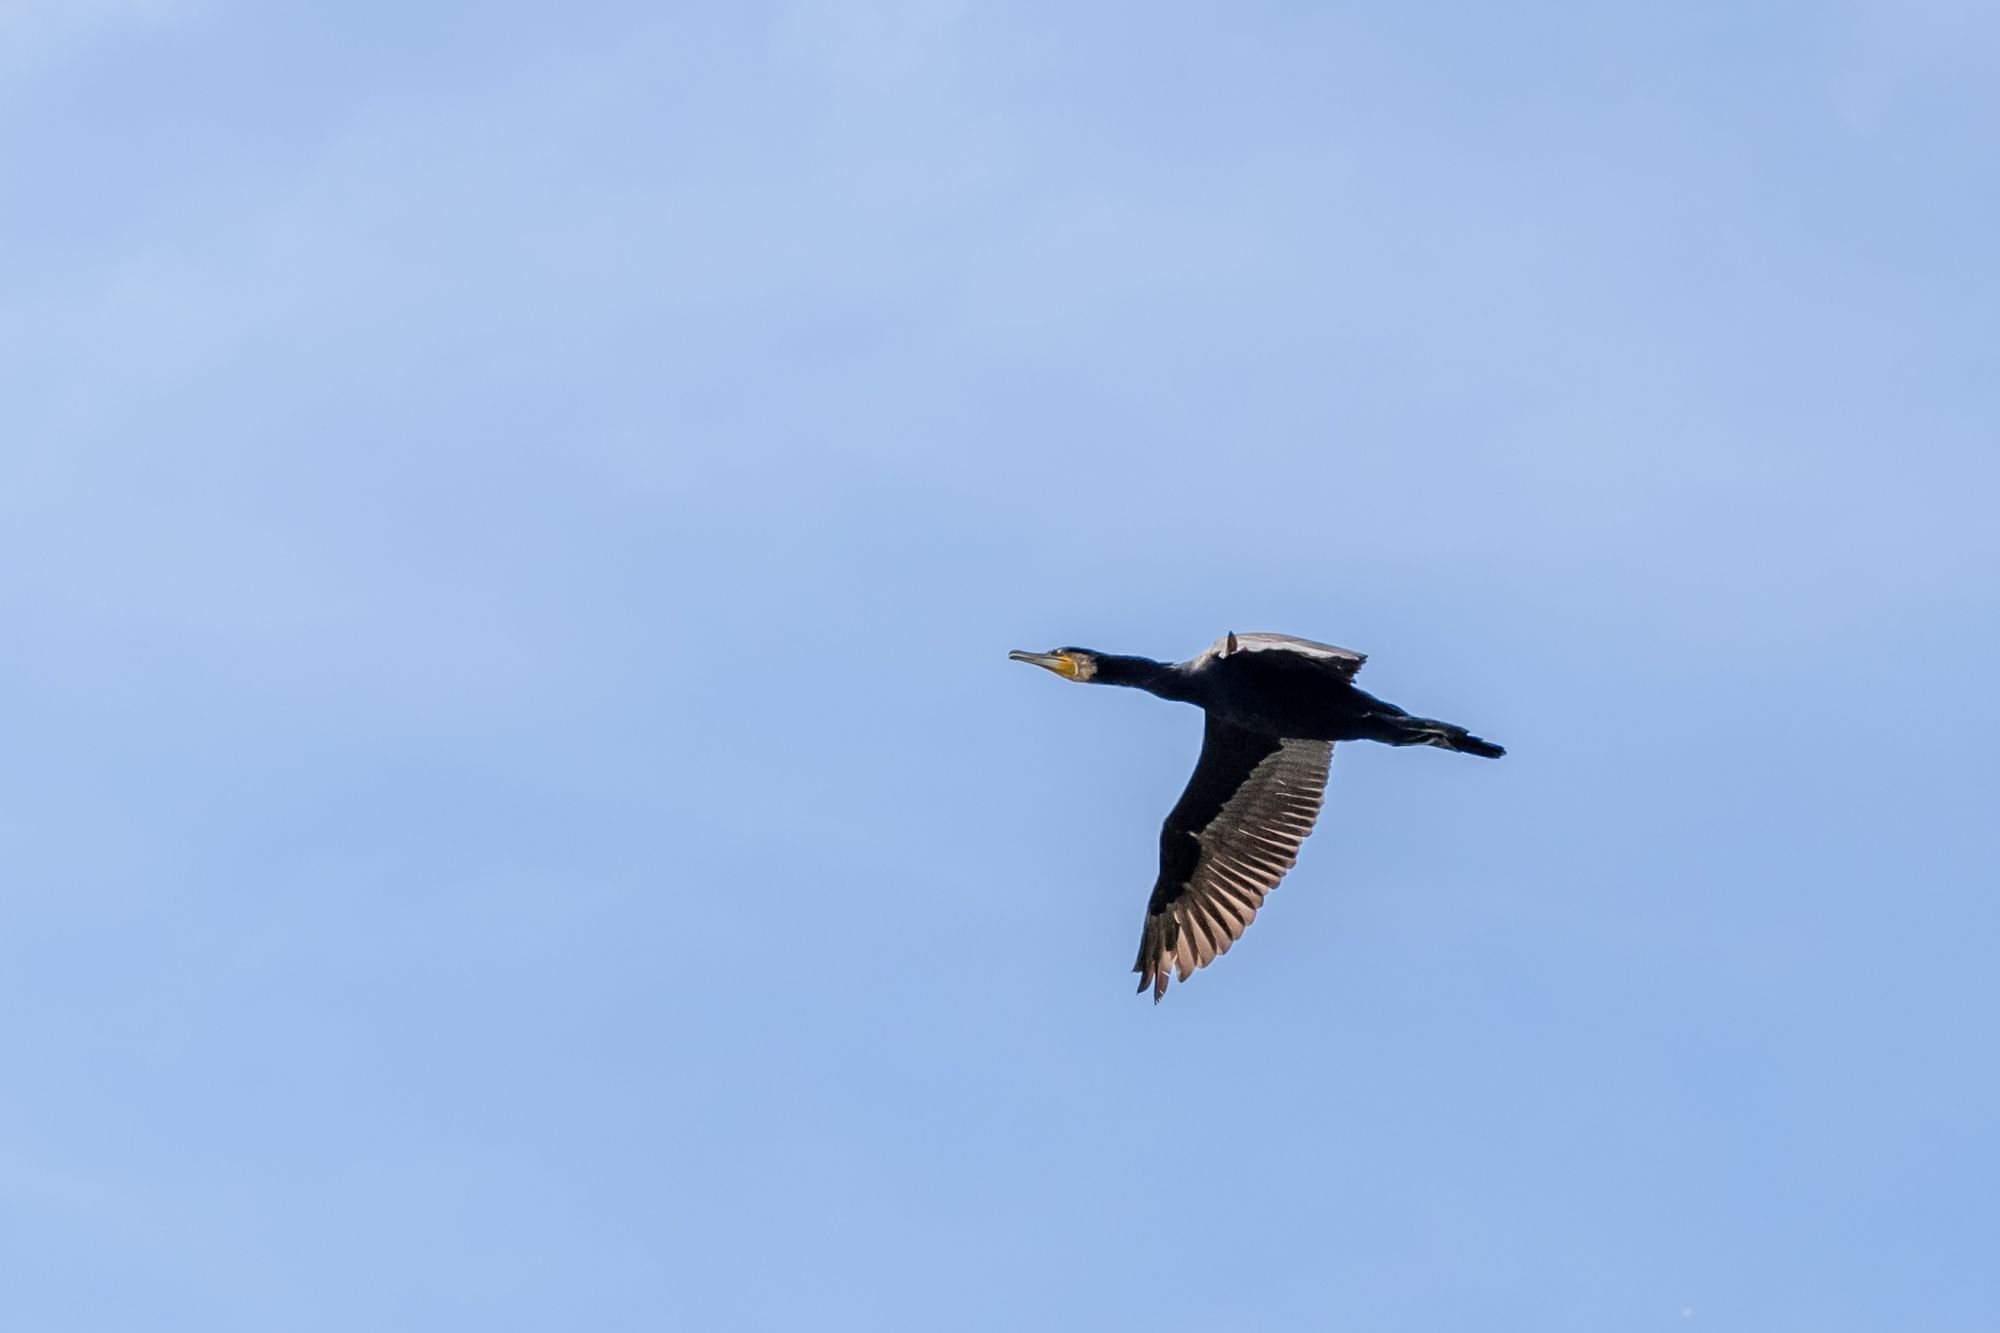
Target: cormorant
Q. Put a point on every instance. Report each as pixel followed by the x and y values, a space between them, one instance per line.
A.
pixel 1275 706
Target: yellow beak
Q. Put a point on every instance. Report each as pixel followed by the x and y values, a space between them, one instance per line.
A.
pixel 1056 662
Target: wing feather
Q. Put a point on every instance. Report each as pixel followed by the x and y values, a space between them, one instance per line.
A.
pixel 1344 661
pixel 1232 836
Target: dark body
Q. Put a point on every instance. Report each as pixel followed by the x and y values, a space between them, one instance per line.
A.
pixel 1273 694
pixel 1284 695
pixel 1274 706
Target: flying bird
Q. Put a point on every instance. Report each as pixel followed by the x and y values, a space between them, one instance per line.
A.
pixel 1275 705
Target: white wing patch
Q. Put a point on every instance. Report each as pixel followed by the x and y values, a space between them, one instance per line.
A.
pixel 1264 643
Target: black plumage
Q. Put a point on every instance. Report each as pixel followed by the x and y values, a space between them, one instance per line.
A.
pixel 1275 707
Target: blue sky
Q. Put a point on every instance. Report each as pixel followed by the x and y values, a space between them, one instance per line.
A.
pixel 516 813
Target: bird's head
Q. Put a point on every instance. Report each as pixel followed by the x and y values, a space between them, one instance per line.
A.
pixel 1070 663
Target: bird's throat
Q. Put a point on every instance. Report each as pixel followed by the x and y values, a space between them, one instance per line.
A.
pixel 1165 679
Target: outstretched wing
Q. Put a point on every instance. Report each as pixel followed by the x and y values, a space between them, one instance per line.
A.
pixel 1234 833
pixel 1344 662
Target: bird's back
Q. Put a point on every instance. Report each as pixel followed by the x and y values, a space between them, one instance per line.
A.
pixel 1282 692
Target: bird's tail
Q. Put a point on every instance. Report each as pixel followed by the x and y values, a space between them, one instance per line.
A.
pixel 1444 735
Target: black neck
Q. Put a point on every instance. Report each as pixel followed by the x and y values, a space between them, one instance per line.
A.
pixel 1165 679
